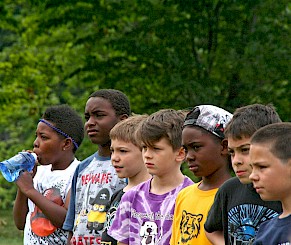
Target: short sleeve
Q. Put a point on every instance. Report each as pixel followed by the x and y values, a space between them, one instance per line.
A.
pixel 214 219
pixel 70 217
pixel 176 221
pixel 120 228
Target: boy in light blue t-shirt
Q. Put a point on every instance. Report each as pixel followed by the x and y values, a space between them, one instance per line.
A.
pixel 95 178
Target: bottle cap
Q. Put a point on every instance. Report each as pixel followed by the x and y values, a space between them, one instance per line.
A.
pixel 34 155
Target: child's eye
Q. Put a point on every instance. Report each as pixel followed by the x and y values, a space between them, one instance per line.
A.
pixel 123 151
pixel 231 152
pixel 43 137
pixel 245 150
pixel 258 167
pixel 192 147
pixel 196 147
pixel 98 115
pixel 87 117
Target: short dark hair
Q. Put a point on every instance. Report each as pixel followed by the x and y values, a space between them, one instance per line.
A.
pixel 118 100
pixel 67 120
pixel 248 119
pixel 165 123
pixel 278 135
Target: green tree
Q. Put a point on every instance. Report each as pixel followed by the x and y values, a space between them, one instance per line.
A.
pixel 160 53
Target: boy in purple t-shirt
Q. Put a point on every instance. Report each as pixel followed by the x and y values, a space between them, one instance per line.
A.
pixel 145 213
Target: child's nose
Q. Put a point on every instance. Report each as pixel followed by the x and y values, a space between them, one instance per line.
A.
pixel 114 157
pixel 236 159
pixel 35 143
pixel 147 153
pixel 91 121
pixel 253 176
pixel 190 156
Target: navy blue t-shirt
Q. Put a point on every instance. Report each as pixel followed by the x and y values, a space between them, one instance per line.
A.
pixel 276 231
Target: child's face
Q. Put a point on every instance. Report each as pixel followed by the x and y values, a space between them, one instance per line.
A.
pixel 126 158
pixel 271 177
pixel 203 152
pixel 160 159
pixel 100 119
pixel 48 146
pixel 240 159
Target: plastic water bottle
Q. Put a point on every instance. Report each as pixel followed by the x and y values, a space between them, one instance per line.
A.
pixel 11 168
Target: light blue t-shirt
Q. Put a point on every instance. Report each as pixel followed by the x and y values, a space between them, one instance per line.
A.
pixel 93 183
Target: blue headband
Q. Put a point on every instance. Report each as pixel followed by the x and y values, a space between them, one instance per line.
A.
pixel 60 131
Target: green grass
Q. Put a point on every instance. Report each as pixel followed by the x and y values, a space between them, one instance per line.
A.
pixel 9 234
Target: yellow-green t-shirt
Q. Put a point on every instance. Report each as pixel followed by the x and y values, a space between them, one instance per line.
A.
pixel 191 209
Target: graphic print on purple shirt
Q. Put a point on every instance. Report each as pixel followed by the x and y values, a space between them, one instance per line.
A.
pixel 144 216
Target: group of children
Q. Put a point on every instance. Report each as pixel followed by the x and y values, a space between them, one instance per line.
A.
pixel 132 191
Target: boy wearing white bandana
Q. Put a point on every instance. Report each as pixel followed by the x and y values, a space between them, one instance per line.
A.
pixel 207 156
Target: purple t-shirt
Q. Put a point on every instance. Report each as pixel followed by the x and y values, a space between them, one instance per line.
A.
pixel 145 218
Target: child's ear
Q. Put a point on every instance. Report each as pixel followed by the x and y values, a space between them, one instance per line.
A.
pixel 289 165
pixel 224 144
pixel 68 143
pixel 123 116
pixel 181 154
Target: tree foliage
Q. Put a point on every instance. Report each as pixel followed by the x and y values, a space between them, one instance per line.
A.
pixel 160 53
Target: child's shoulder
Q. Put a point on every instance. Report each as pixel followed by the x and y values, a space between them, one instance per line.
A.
pixel 188 186
pixel 92 158
pixel 231 183
pixel 96 156
pixel 138 189
pixel 187 181
pixel 141 186
pixel 42 170
pixel 230 186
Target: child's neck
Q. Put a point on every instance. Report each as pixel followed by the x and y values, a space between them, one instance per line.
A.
pixel 104 150
pixel 286 205
pixel 163 184
pixel 63 163
pixel 137 179
pixel 214 181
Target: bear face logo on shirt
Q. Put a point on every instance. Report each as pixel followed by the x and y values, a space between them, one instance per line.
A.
pixel 190 226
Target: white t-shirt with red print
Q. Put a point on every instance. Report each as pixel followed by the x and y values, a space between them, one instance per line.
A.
pixel 54 185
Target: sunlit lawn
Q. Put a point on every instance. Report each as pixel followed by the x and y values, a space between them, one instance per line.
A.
pixel 9 234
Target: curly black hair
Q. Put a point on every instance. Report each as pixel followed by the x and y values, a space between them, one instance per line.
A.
pixel 117 99
pixel 67 120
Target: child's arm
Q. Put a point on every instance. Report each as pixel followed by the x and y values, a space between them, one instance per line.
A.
pixel 69 238
pixel 120 227
pixel 20 210
pixel 67 201
pixel 55 213
pixel 216 237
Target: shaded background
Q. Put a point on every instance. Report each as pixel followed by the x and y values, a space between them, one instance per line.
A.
pixel 162 54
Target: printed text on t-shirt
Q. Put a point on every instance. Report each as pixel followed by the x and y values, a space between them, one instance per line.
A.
pixel 100 178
